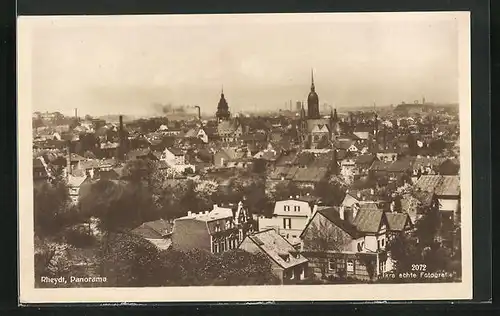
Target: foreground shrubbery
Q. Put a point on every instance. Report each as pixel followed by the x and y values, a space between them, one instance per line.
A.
pixel 133 261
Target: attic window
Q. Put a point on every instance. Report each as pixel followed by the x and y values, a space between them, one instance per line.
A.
pixel 295 253
pixel 285 257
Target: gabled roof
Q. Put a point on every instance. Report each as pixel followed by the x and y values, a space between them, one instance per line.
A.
pixel 396 222
pixel 368 220
pixel 277 248
pixel 332 214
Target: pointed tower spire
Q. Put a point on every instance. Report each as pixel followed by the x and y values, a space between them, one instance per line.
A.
pixel 312 80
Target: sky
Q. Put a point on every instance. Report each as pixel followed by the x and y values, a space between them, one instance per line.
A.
pixel 127 64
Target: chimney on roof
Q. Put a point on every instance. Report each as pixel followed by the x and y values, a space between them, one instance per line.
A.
pixel 342 211
pixel 190 214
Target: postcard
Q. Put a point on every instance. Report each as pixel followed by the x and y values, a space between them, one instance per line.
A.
pixel 245 157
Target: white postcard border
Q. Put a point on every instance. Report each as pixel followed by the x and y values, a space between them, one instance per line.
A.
pixel 355 292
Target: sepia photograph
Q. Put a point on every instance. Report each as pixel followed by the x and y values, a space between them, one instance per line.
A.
pixel 245 157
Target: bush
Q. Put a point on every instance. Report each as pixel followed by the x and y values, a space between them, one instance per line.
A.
pixel 79 237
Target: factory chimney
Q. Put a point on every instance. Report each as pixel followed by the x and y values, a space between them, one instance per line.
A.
pixel 76 114
pixel 199 112
pixel 121 143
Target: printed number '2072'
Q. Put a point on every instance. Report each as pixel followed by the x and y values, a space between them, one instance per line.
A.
pixel 418 267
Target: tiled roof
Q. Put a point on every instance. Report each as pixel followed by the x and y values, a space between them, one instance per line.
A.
pixel 366 159
pixel 427 162
pixel 396 221
pixel 441 185
pixel 312 174
pixel 368 220
pixel 332 214
pixel 154 229
pixel 277 248
pixel 401 165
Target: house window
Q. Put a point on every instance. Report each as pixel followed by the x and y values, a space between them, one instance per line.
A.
pixel 360 246
pixel 217 228
pixel 215 247
pixel 332 264
pixel 287 208
pixel 296 208
pixel 350 266
pixel 378 244
pixel 383 242
pixel 222 246
pixel 382 266
pixel 287 223
pixel 340 264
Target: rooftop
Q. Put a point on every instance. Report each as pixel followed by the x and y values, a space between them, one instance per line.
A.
pixel 277 248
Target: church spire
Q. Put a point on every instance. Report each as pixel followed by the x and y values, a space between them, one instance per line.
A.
pixel 312 80
pixel 222 108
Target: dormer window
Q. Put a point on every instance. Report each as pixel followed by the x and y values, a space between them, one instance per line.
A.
pixel 296 208
pixel 285 257
pixel 287 208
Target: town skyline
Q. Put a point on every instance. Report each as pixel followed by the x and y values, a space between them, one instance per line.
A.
pixel 262 61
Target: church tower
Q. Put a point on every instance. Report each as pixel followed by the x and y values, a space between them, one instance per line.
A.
pixel 313 101
pixel 222 113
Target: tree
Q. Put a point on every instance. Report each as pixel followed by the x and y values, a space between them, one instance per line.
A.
pixel 427 227
pixel 51 201
pixel 283 190
pixel 131 261
pixel 405 251
pixel 330 193
pixel 118 206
